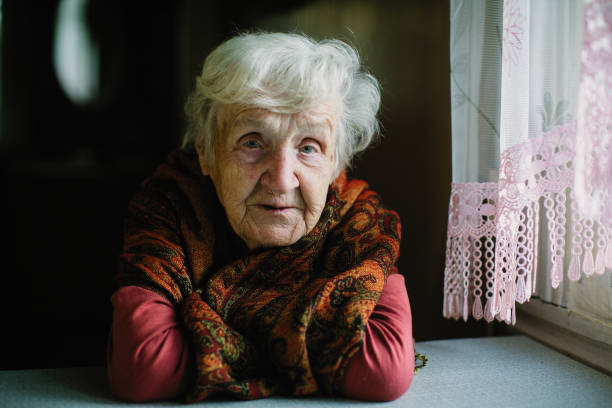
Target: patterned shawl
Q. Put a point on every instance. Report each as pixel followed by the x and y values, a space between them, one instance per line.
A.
pixel 277 320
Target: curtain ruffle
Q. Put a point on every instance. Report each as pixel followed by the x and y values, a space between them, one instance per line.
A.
pixel 493 228
pixel 594 140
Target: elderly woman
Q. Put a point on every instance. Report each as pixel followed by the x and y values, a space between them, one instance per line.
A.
pixel 251 264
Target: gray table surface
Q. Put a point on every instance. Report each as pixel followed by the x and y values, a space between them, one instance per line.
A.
pixel 495 372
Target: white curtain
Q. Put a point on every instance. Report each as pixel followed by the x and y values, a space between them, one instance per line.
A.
pixel 531 200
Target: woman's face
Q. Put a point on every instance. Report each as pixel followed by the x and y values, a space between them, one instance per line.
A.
pixel 273 171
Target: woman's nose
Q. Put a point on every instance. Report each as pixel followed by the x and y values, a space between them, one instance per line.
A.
pixel 280 176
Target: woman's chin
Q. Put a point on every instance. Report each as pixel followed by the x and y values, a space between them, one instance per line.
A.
pixel 266 228
pixel 273 236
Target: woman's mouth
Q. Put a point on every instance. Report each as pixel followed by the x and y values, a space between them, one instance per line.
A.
pixel 275 209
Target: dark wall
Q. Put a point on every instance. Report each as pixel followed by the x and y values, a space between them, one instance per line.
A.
pixel 68 171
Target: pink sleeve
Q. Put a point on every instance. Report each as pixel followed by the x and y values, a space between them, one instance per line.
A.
pixel 149 357
pixel 148 353
pixel 382 370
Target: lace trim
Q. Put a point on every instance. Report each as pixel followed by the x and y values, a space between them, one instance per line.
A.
pixel 493 230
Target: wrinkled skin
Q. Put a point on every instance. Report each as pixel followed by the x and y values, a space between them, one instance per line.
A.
pixel 272 171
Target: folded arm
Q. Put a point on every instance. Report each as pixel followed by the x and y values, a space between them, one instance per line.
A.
pixel 150 357
pixel 149 354
pixel 382 370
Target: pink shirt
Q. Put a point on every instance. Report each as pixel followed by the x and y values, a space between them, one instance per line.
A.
pixel 149 356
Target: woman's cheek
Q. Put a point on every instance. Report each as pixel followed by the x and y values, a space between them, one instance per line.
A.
pixel 314 193
pixel 249 156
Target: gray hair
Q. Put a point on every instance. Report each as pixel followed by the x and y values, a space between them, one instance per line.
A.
pixel 286 73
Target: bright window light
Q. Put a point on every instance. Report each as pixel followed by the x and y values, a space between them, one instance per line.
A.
pixel 76 56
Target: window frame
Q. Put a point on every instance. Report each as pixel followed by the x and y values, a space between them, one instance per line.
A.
pixel 587 339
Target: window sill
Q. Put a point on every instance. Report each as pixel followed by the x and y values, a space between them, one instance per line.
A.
pixel 582 337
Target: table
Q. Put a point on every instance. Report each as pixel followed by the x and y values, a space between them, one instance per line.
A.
pixel 512 371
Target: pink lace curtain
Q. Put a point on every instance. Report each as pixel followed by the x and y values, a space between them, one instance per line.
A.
pixel 531 199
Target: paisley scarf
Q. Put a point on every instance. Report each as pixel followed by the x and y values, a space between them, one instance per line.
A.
pixel 277 320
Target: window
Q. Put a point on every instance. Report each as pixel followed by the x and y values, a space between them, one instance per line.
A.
pixel 530 214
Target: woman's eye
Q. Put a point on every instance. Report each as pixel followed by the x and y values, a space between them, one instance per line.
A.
pixel 251 144
pixel 308 149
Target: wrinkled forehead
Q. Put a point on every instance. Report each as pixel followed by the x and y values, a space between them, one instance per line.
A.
pixel 322 118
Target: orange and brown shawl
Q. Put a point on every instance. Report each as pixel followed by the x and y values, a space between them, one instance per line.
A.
pixel 280 320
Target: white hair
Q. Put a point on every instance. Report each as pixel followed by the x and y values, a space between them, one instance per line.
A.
pixel 286 73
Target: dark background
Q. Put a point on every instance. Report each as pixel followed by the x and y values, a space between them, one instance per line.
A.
pixel 67 171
